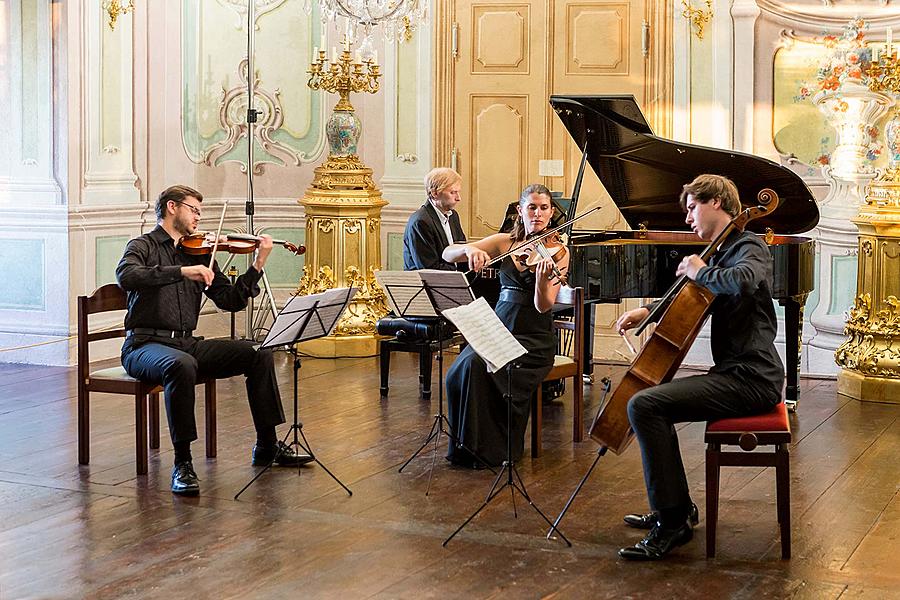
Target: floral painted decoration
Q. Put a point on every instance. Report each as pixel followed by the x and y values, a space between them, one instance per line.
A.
pixel 848 59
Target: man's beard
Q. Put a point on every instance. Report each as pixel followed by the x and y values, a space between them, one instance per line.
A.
pixel 183 226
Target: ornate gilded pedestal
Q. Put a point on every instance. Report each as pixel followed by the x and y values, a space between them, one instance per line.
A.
pixel 871 356
pixel 343 215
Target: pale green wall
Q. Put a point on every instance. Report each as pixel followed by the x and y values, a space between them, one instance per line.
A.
pixel 22 273
pixel 395 252
pixel 109 250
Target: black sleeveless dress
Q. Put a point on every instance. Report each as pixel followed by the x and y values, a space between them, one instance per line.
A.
pixel 475 402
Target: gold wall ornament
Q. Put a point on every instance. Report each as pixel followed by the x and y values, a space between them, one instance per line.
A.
pixel 697 16
pixel 870 357
pixel 114 9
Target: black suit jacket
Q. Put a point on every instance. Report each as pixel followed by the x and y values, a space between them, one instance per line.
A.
pixel 424 239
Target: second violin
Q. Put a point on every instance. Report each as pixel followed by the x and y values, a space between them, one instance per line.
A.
pixel 550 247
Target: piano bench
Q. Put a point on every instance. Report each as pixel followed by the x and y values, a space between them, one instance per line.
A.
pixel 425 348
pixel 769 429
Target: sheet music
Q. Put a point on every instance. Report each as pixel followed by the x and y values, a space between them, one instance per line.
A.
pixel 448 289
pixel 309 317
pixel 406 296
pixel 487 335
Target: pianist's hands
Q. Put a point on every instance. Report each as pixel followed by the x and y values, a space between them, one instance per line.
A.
pixel 690 266
pixel 631 319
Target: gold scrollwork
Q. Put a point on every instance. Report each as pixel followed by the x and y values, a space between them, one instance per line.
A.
pixel 325 225
pixel 697 16
pixel 866 246
pixel 369 304
pixel 373 224
pixel 313 284
pixel 870 347
pixel 352 227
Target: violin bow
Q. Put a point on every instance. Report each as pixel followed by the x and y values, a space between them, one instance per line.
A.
pixel 212 255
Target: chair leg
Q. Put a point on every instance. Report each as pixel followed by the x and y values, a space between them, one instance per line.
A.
pixel 385 365
pixel 783 497
pixel 712 497
pixel 140 432
pixel 211 442
pixel 84 427
pixel 425 358
pixel 153 420
pixel 537 422
pixel 577 407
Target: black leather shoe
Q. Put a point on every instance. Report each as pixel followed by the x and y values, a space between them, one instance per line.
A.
pixel 658 543
pixel 184 481
pixel 287 457
pixel 649 520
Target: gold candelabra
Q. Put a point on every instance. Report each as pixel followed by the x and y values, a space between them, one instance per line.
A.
pixel 697 16
pixel 343 75
pixel 114 8
pixel 884 72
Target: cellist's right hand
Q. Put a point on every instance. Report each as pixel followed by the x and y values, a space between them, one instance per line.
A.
pixel 631 319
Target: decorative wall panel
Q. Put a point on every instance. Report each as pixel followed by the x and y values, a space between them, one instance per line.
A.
pixel 108 252
pixel 597 39
pixel 500 135
pixel 500 39
pixel 22 271
pixel 214 78
pixel 283 268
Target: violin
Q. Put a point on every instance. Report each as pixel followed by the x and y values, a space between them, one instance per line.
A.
pixel 551 247
pixel 201 243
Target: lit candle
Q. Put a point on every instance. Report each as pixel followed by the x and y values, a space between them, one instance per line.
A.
pixel 316 53
pixel 358 57
pixel 334 56
pixel 875 54
pixel 322 33
pixel 375 57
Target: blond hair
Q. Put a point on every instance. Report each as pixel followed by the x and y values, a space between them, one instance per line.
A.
pixel 440 179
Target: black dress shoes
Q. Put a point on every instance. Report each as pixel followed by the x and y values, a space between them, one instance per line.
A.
pixel 286 456
pixel 659 542
pixel 649 520
pixel 184 480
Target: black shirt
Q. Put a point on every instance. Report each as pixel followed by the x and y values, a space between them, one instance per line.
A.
pixel 743 314
pixel 159 297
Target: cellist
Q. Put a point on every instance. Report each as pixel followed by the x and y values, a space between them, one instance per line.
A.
pixel 746 378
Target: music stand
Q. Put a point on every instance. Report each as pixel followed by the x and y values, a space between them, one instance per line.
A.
pixel 494 343
pixel 424 293
pixel 304 318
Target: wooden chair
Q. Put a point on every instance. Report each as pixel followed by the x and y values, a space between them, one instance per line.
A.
pixel 115 380
pixel 565 366
pixel 770 429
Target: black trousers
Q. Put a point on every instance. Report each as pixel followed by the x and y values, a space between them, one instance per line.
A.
pixel 653 413
pixel 178 363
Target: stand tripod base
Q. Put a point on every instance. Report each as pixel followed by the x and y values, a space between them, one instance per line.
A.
pixel 515 484
pixel 297 446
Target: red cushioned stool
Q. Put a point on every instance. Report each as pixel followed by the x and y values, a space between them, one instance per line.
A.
pixel 770 429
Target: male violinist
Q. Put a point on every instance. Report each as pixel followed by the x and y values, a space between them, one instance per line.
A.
pixel 746 378
pixel 164 286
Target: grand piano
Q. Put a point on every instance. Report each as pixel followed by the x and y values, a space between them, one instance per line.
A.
pixel 644 175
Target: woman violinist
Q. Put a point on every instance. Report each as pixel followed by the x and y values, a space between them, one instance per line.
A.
pixel 474 396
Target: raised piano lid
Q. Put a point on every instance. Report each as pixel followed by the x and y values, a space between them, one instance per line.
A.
pixel 644 174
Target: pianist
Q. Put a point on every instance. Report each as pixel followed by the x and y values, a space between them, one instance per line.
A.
pixel 746 378
pixel 435 225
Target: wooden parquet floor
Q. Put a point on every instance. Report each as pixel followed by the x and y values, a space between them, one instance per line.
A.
pixel 101 532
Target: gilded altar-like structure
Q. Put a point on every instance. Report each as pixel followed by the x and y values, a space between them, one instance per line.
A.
pixel 871 356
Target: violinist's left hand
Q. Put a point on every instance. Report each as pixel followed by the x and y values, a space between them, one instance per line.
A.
pixel 690 266
pixel 544 269
pixel 263 251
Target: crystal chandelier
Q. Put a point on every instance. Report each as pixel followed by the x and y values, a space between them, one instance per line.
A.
pixel 398 19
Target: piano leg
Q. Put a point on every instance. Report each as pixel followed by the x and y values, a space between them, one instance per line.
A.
pixel 588 362
pixel 793 315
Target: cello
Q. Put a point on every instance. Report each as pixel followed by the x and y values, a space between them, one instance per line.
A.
pixel 679 315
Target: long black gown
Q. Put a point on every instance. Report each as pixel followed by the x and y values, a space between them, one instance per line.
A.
pixel 475 402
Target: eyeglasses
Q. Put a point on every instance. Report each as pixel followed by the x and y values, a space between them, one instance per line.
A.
pixel 193 209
